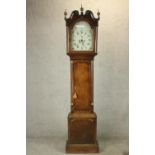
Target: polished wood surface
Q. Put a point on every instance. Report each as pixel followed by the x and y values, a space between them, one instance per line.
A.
pixel 81 85
pixel 82 121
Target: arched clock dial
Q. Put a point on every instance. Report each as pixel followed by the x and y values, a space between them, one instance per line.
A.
pixel 82 37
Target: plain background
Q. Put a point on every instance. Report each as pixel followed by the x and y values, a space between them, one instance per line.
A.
pixel 48 67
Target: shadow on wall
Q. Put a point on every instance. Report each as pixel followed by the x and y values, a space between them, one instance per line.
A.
pixel 126 153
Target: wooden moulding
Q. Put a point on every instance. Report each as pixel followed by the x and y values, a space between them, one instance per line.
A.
pixel 81 56
pixel 82 148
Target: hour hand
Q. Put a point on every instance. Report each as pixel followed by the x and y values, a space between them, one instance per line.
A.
pixel 83 42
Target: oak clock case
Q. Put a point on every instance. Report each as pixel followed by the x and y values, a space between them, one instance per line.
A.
pixel 81 29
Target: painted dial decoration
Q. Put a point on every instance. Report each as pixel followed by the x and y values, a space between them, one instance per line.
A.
pixel 82 37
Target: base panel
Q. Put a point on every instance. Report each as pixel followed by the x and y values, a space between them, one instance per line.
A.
pixel 82 148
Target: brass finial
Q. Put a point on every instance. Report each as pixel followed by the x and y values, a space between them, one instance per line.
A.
pixel 81 9
pixel 98 13
pixel 65 13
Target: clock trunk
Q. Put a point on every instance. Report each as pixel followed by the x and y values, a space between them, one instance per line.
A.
pixel 81 85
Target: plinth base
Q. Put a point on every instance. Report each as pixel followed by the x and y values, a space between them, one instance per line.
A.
pixel 82 133
pixel 82 148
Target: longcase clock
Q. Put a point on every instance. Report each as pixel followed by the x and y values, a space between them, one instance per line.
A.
pixel 81 29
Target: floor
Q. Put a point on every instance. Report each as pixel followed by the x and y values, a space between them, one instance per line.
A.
pixel 56 146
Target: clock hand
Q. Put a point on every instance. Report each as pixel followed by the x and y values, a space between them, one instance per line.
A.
pixel 83 41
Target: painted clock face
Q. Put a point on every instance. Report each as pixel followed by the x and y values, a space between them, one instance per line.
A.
pixel 82 37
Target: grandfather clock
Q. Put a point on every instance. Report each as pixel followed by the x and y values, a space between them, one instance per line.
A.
pixel 81 48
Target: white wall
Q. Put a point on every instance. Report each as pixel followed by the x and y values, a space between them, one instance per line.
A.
pixel 48 68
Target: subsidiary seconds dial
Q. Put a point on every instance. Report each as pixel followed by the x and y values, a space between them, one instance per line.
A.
pixel 82 37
